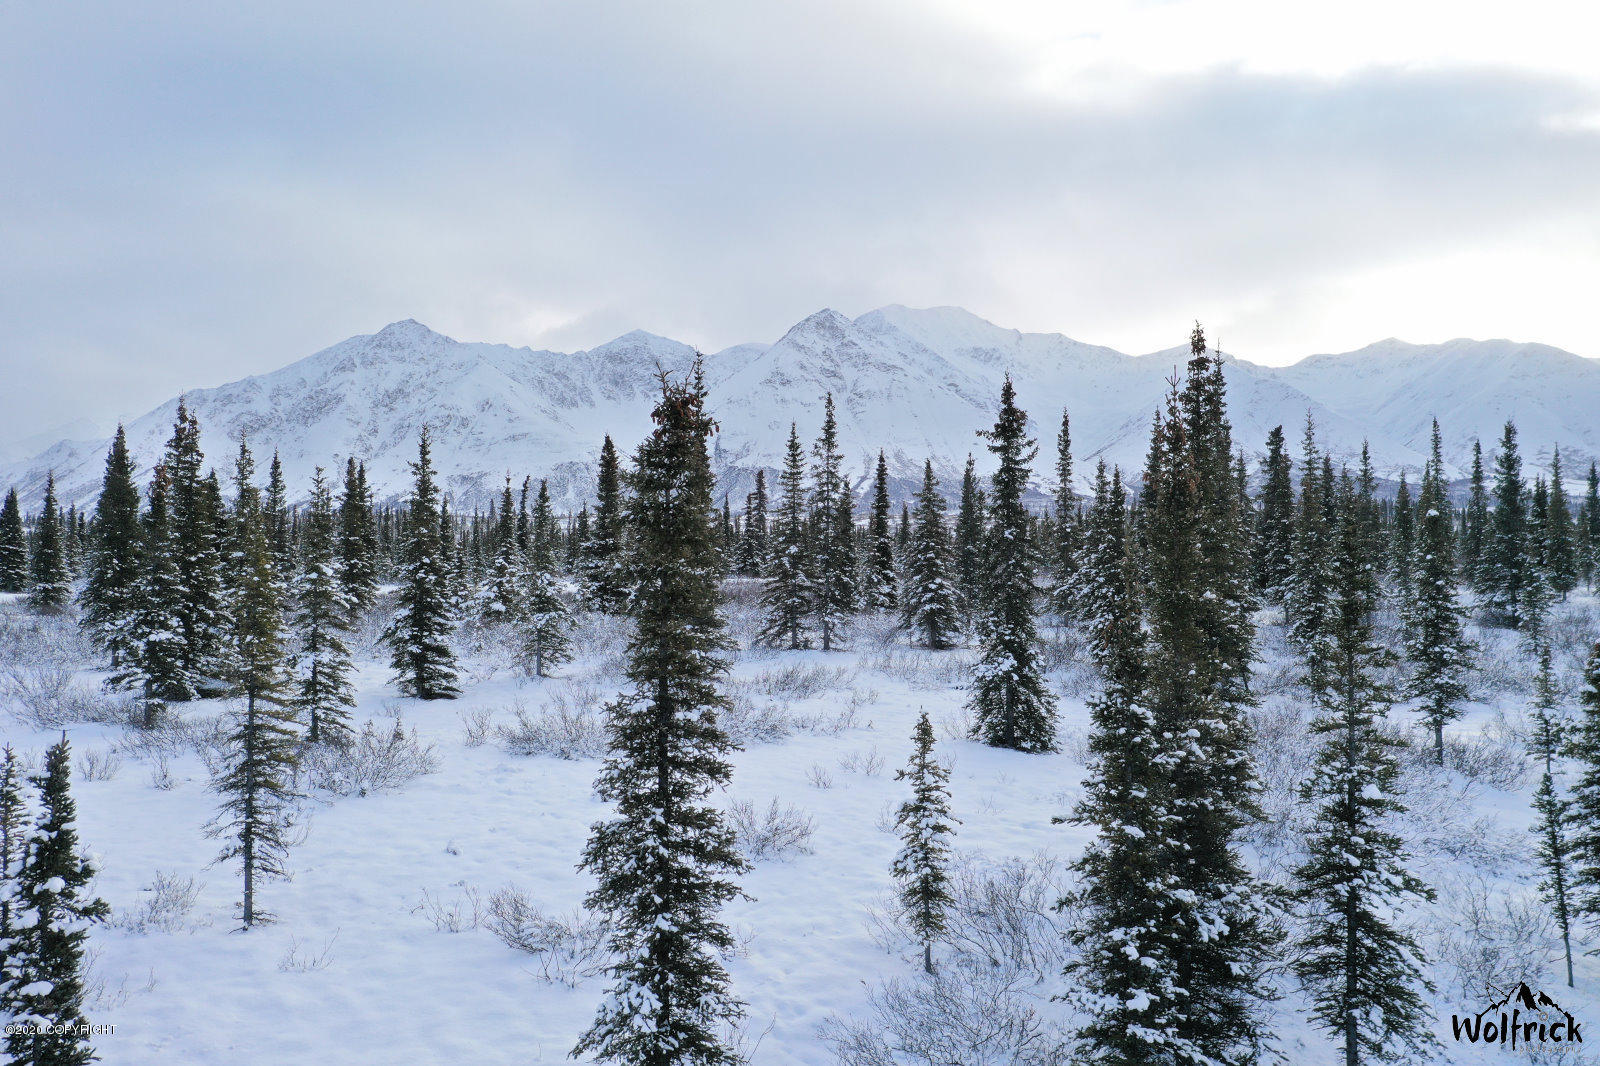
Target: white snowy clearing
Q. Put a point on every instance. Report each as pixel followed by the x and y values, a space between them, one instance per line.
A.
pixel 393 941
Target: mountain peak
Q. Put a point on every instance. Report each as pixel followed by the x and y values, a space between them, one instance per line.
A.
pixel 406 331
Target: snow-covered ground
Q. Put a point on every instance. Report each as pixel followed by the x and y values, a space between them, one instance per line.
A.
pixel 377 957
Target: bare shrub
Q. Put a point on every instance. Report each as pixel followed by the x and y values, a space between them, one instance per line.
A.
pixel 373 761
pixel 819 777
pixel 164 906
pixel 161 775
pixel 299 959
pixel 477 727
pixel 455 916
pixel 749 720
pixel 1482 938
pixel 98 764
pixel 48 698
pixel 567 948
pixel 922 669
pixel 803 680
pixel 868 763
pixel 828 725
pixel 775 833
pixel 569 726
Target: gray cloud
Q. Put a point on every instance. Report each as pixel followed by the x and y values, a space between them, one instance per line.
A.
pixel 191 194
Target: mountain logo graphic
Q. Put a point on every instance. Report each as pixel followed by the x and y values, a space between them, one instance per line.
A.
pixel 1517 1018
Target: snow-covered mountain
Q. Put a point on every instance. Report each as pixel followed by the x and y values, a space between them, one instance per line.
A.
pixel 916 383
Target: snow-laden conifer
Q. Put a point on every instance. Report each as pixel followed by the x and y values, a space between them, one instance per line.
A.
pixel 922 867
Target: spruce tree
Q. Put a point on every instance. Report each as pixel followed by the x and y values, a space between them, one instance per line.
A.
pixel 1435 640
pixel 832 547
pixel 51 591
pixel 15 918
pixel 1308 587
pixel 881 578
pixel 111 593
pixel 255 780
pixel 1011 703
pixel 1583 746
pixel 605 584
pixel 1064 548
pixel 545 621
pixel 753 536
pixel 13 546
pixel 357 549
pixel 1364 974
pixel 1504 567
pixel 1554 826
pixel 1475 526
pixel 500 592
pixel 419 635
pixel 790 585
pixel 931 611
pixel 1275 524
pixel 969 543
pixel 322 624
pixel 1403 541
pixel 156 669
pixel 197 520
pixel 1589 525
pixel 924 821
pixel 665 860
pixel 53 892
pixel 1560 549
pixel 279 522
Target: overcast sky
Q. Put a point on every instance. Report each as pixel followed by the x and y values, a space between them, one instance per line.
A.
pixel 194 192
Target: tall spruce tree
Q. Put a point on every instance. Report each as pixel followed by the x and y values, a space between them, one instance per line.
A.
pixel 1553 827
pixel 753 535
pixel 1275 523
pixel 500 591
pixel 1435 639
pixel 13 546
pixel 664 863
pixel 1583 747
pixel 1402 542
pixel 1308 588
pixel 832 540
pixel 545 620
pixel 931 610
pixel 48 960
pixel 358 542
pixel 925 823
pixel 255 779
pixel 110 596
pixel 324 693
pixel 1505 566
pixel 15 918
pixel 1560 547
pixel 604 580
pixel 419 636
pixel 275 512
pixel 969 543
pixel 1364 974
pixel 50 580
pixel 1011 703
pixel 1589 525
pixel 1064 546
pixel 881 591
pixel 790 587
pixel 1475 522
pixel 198 526
pixel 156 670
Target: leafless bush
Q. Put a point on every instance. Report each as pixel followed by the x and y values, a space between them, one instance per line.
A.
pixel 303 960
pixel 1487 761
pixel 828 725
pixel 477 727
pixel 48 698
pixel 751 720
pixel 776 833
pixel 98 764
pixel 869 763
pixel 373 761
pixel 566 727
pixel 819 777
pixel 922 669
pixel 161 775
pixel 802 680
pixel 568 948
pixel 164 906
pixel 1482 937
pixel 456 916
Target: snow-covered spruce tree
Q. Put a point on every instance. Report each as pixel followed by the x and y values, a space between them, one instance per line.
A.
pixel 664 862
pixel 1066 535
pixel 15 919
pixel 500 592
pixel 279 522
pixel 324 693
pixel 255 779
pixel 1583 746
pixel 1214 909
pixel 1554 826
pixel 1121 971
pixel 13 546
pixel 881 592
pixel 110 594
pixel 1402 543
pixel 1363 973
pixel 1308 586
pixel 753 537
pixel 198 522
pixel 1435 639
pixel 601 569
pixel 1588 525
pixel 1560 547
pixel 52 892
pixel 925 823
pixel 790 585
pixel 51 591
pixel 969 543
pixel 545 621
pixel 156 669
pixel 419 635
pixel 931 612
pixel 358 543
pixel 1505 567
pixel 832 542
pixel 1275 523
pixel 1011 704
pixel 1475 522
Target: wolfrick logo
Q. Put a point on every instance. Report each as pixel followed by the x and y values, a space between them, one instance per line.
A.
pixel 1521 1017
